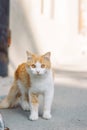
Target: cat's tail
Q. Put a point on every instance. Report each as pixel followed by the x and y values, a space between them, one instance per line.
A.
pixel 11 99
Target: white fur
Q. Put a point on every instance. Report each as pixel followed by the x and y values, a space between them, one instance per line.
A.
pixel 41 84
pixel 37 69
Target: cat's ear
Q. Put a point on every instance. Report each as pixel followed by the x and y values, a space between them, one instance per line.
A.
pixel 29 55
pixel 47 55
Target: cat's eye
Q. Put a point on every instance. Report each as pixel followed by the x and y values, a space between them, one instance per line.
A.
pixel 33 66
pixel 43 66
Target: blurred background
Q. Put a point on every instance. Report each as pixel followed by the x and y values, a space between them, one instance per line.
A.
pixel 58 26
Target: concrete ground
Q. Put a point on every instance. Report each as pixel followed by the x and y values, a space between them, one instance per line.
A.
pixel 69 109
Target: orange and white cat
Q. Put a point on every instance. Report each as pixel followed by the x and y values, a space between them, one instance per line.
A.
pixel 31 79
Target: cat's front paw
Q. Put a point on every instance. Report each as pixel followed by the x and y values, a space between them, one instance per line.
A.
pixel 47 115
pixel 33 116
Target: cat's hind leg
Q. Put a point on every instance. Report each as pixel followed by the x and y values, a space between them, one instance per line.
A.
pixel 24 102
pixel 24 99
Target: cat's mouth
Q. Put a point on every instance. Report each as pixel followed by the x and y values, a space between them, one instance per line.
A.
pixel 38 74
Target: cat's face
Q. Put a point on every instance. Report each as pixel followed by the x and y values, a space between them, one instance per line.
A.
pixel 38 65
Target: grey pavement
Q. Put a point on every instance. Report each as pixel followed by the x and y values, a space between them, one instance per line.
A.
pixel 69 109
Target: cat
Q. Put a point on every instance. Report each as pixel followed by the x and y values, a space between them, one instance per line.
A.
pixel 32 78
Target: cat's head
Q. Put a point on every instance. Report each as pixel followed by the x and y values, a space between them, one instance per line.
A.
pixel 38 65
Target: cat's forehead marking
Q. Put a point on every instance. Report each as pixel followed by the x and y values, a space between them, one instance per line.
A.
pixel 38 64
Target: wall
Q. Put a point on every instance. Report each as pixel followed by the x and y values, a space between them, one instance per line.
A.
pixel 40 31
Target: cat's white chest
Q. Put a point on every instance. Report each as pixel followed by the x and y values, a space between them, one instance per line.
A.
pixel 41 84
